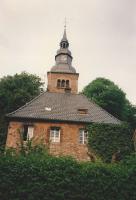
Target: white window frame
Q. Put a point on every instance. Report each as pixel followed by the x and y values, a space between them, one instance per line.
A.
pixel 30 132
pixel 55 135
pixel 83 136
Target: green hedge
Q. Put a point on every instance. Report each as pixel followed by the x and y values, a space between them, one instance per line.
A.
pixel 39 177
pixel 107 140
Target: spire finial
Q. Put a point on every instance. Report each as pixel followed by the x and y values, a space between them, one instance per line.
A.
pixel 65 34
pixel 65 24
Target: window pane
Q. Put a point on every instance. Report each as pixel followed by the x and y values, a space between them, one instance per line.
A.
pixel 30 132
pixel 25 131
pixel 67 83
pixel 52 133
pixel 58 83
pixel 83 136
pixel 55 135
pixel 63 83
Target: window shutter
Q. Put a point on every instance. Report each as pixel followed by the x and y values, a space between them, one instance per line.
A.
pixel 30 132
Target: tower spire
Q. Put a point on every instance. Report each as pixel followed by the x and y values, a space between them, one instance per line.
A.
pixel 63 58
pixel 64 39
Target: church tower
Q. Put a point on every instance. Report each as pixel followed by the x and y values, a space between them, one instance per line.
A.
pixel 63 77
pixel 58 117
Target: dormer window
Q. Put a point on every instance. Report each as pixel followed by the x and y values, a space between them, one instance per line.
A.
pixel 82 111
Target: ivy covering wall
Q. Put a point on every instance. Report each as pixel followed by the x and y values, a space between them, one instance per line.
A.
pixel 108 141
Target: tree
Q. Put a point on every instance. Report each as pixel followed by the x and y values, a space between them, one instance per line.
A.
pixel 111 98
pixel 130 114
pixel 15 91
pixel 107 95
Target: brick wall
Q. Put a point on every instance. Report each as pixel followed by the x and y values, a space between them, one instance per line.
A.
pixel 69 142
pixel 13 137
pixel 52 82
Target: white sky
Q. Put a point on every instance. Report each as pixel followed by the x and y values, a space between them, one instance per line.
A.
pixel 102 36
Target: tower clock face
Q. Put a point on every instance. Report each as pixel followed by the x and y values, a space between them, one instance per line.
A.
pixel 63 58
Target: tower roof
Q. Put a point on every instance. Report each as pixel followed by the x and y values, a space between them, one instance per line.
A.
pixel 63 68
pixel 63 57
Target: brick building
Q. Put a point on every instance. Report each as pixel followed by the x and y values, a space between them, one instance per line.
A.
pixel 58 117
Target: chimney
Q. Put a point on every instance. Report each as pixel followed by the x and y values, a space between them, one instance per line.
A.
pixel 67 90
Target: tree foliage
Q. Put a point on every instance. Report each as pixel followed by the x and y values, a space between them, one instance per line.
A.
pixel 111 98
pixel 107 140
pixel 106 94
pixel 130 114
pixel 15 91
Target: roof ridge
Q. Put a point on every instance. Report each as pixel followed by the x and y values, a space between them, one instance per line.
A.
pixel 100 107
pixel 26 104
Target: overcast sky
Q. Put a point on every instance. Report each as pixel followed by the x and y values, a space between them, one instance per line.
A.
pixel 101 33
